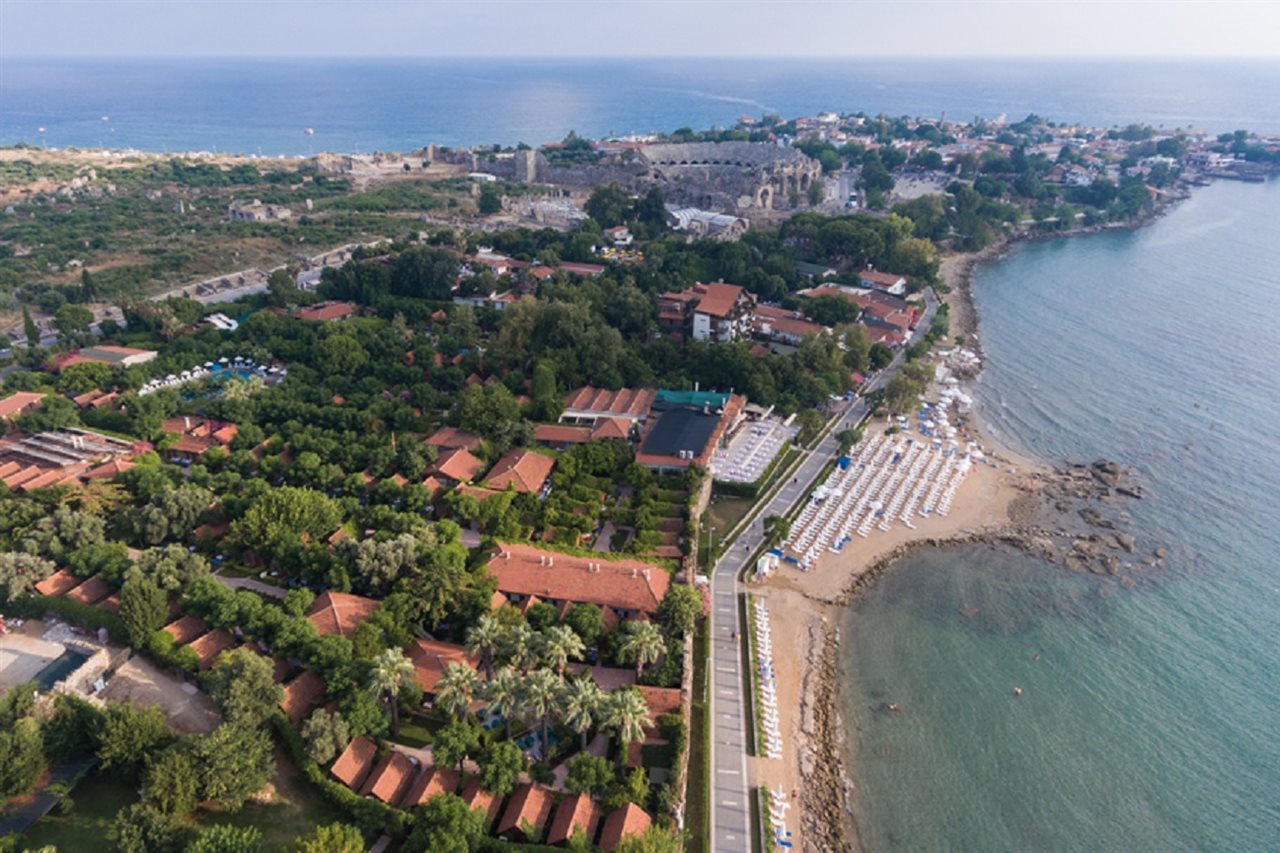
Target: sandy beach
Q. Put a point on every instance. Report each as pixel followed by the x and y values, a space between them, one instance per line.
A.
pixel 805 610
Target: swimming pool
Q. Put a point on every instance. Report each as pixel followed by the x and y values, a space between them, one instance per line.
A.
pixel 59 668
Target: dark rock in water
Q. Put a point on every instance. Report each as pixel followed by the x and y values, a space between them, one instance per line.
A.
pixel 1127 542
pixel 1160 553
pixel 1075 564
pixel 1112 562
pixel 1130 491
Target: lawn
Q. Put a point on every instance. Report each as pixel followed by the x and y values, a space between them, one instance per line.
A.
pixel 699 755
pixel 295 810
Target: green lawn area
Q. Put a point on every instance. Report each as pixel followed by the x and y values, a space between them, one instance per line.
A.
pixel 295 811
pixel 725 512
pixel 417 730
pixel 97 800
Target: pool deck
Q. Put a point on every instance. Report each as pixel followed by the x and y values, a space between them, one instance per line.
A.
pixel 22 657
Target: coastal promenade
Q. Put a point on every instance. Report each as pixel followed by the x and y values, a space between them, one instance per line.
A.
pixel 731 787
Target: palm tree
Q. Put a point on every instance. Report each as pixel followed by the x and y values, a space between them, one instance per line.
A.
pixel 541 697
pixel 627 714
pixel 390 670
pixel 776 529
pixel 522 647
pixel 560 644
pixel 505 695
pixel 456 688
pixel 583 702
pixel 483 640
pixel 643 644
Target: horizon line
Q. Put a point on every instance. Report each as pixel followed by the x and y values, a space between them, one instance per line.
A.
pixel 864 57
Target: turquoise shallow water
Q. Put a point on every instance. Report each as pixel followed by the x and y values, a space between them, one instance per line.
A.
pixel 1151 720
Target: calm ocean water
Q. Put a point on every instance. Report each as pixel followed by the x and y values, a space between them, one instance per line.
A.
pixel 1151 720
pixel 264 106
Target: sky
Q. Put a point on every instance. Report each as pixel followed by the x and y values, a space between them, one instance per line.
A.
pixel 567 28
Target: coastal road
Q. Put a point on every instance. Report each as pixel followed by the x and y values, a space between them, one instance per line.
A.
pixel 731 787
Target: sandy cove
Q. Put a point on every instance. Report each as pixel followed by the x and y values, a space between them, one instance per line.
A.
pixel 805 610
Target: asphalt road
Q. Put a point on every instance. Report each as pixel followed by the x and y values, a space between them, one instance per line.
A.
pixel 731 785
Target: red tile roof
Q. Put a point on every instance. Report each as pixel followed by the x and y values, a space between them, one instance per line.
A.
pixel 429 782
pixel 59 582
pixel 390 779
pixel 111 603
pixel 340 612
pixel 209 646
pixel 572 813
pixel 452 438
pixel 879 279
pixel 719 299
pixel 620 584
pixel 303 695
pixel 530 805
pixel 353 765
pixel 91 591
pixel 623 823
pixel 325 311
pixel 108 470
pixel 630 402
pixel 431 658
pixel 611 429
pixel 458 465
pixel 477 797
pixel 19 402
pixel 186 629
pixel 561 434
pixel 522 470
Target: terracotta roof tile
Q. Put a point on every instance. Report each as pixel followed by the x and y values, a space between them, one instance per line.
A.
pixel 522 470
pixel 303 695
pixel 620 584
pixel 452 438
pixel 429 782
pixel 186 629
pixel 572 813
pixel 353 765
pixel 530 805
pixel 58 583
pixel 91 591
pixel 623 823
pixel 561 434
pixel 390 779
pixel 458 465
pixel 431 658
pixel 719 299
pixel 340 612
pixel 477 797
pixel 210 645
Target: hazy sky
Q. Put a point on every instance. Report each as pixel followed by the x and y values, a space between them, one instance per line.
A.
pixel 1167 28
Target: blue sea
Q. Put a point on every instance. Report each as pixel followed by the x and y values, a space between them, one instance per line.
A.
pixel 1150 720
pixel 1150 717
pixel 265 106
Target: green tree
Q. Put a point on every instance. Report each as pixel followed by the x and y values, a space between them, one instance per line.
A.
pixel 776 529
pixel 641 644
pixel 171 567
pixel 627 714
pixel 500 766
pixel 609 205
pixel 331 838
pixel 504 694
pixel 243 684
pixel 489 202
pixel 326 734
pixel 143 828
pixel 655 839
pixel 21 757
pixel 342 354
pixel 680 609
pixel 171 781
pixel 582 703
pixel 287 514
pixel 586 620
pixel 19 573
pixel 225 838
pixel 73 321
pixel 29 328
pixel 542 689
pixel 560 644
pixel 128 735
pixel 454 742
pixel 589 774
pixel 848 439
pixel 446 825
pixel 144 609
pixel 281 288
pixel 387 676
pixel 235 762
pixel 484 639
pixel 456 689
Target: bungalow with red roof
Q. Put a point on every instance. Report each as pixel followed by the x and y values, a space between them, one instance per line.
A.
pixel 623 823
pixel 390 779
pixel 708 312
pixel 326 312
pixel 574 813
pixel 197 436
pixel 19 403
pixel 887 282
pixel 527 813
pixel 302 695
pixel 456 466
pixel 91 591
pixel 352 767
pixel 429 782
pixel 430 658
pixel 622 589
pixel 339 612
pixel 210 645
pixel 522 470
pixel 477 797
pixel 186 628
pixel 59 583
pixel 773 323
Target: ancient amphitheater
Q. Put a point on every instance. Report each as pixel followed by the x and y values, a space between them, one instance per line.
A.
pixel 738 176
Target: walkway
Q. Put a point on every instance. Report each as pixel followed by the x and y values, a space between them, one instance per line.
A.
pixel 731 789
